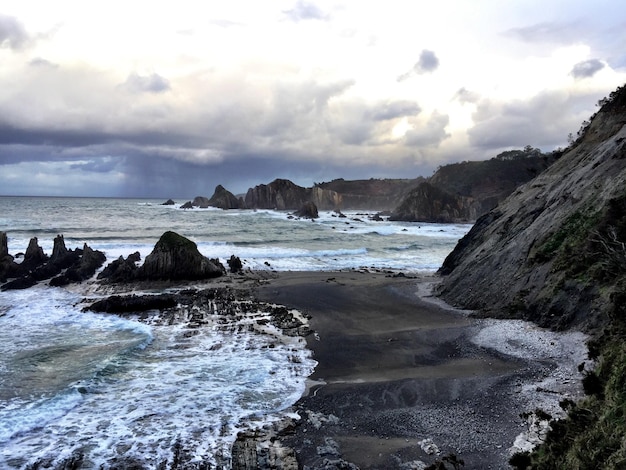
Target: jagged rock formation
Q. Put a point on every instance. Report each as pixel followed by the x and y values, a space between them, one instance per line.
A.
pixel 371 194
pixel 554 251
pixel 169 202
pixel 224 199
pixel 283 194
pixel 62 268
pixel 461 192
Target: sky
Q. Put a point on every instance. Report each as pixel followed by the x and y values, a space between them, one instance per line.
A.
pixel 169 99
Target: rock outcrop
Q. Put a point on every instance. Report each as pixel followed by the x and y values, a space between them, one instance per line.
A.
pixel 379 194
pixel 201 202
pixel 283 194
pixel 62 267
pixel 174 258
pixel 428 203
pixel 553 252
pixel 461 192
pixel 224 199
pixel 308 211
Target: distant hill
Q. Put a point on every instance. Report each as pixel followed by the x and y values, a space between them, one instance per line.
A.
pixel 461 192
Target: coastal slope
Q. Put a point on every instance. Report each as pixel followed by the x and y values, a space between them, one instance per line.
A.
pixel 555 253
pixel 552 252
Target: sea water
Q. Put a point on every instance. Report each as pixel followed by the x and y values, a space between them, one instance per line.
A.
pixel 116 389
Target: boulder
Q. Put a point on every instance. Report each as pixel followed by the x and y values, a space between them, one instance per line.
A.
pixel 187 205
pixel 308 211
pixel 169 202
pixel 175 257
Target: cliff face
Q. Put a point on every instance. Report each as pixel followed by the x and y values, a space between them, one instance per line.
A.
pixel 371 194
pixel 432 204
pixel 553 252
pixel 461 192
pixel 283 194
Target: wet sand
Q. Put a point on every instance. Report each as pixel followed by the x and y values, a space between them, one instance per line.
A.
pixel 399 381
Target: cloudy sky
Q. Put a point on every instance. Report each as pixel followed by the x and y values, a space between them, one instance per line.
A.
pixel 169 99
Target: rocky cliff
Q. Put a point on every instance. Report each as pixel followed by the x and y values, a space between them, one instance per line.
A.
pixel 461 192
pixel 283 194
pixel 224 199
pixel 553 252
pixel 371 194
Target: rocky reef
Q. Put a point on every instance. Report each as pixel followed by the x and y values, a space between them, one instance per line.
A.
pixel 61 268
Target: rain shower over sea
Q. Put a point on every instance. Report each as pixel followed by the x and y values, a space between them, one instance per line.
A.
pixel 117 389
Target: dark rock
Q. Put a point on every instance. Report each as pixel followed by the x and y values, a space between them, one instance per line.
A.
pixel 224 199
pixel 63 267
pixel 8 267
pixel 169 202
pixel 187 205
pixel 34 256
pixel 234 263
pixel 121 270
pixel 4 245
pixel 175 257
pixel 201 202
pixel 283 194
pixel 90 260
pixel 23 282
pixel 133 303
pixel 308 211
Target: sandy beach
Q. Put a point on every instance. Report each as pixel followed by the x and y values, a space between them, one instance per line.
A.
pixel 403 380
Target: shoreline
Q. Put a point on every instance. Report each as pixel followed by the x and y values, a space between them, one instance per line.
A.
pixel 404 379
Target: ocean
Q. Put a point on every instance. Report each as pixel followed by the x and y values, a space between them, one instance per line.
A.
pixel 114 389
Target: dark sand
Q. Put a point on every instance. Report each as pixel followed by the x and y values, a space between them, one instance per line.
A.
pixel 397 372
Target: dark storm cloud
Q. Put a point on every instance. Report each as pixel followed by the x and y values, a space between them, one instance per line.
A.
pixel 587 68
pixel 428 62
pixel 12 33
pixel 303 11
pixel 153 83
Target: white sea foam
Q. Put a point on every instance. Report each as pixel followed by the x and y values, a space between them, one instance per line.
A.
pixel 138 398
